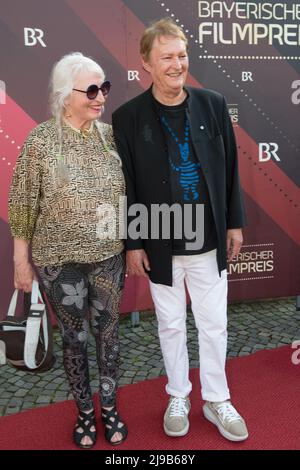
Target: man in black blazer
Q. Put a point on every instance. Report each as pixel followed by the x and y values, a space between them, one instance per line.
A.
pixel 178 151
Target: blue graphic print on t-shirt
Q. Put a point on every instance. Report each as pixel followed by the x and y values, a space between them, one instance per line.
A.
pixel 189 171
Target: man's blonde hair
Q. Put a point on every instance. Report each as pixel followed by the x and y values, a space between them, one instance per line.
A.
pixel 163 27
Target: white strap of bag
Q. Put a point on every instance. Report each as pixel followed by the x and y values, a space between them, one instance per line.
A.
pixel 33 325
pixel 13 304
pixel 36 315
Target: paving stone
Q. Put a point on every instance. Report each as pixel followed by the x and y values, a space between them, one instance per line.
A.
pixel 28 405
pixel 140 376
pixel 129 373
pixel 59 380
pixel 14 402
pixel 12 389
pixel 151 376
pixel 12 410
pixel 285 340
pixel 152 362
pixel 4 401
pixel 33 379
pixel 21 393
pixel 246 349
pixel 139 364
pixel 12 380
pixel 156 371
pixel 52 386
pixel 125 367
pixel 64 386
pixel 124 381
pixel 60 393
pixel 44 399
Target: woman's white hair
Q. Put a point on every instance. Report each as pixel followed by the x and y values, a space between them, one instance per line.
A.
pixel 63 76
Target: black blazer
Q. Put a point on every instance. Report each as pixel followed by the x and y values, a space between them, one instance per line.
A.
pixel 142 148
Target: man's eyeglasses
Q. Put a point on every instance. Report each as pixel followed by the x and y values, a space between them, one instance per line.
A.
pixel 93 90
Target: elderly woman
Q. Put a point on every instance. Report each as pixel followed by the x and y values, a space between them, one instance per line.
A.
pixel 68 170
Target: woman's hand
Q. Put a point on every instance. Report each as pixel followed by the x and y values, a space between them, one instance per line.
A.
pixel 23 276
pixel 23 270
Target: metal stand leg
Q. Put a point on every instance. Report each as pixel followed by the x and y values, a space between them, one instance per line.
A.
pixel 135 318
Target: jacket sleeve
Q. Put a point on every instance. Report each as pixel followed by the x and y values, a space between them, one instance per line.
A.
pixel 125 151
pixel 24 195
pixel 234 200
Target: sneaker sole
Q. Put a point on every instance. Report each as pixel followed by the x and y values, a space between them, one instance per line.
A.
pixel 231 437
pixel 177 433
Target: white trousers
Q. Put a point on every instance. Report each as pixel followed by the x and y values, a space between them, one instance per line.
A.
pixel 208 293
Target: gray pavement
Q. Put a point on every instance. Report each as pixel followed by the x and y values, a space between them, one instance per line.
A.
pixel 251 326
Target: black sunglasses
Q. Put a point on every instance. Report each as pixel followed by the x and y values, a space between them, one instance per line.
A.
pixel 93 90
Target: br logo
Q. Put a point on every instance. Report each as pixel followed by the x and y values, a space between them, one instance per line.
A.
pixel 267 151
pixel 133 75
pixel 32 36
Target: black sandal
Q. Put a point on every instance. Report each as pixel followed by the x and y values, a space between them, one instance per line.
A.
pixel 85 421
pixel 111 420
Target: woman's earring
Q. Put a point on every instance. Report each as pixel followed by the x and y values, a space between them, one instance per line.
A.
pixel 68 114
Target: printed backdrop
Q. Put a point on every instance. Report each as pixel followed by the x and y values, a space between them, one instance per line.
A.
pixel 249 51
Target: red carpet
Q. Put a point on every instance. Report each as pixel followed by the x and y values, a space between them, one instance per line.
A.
pixel 265 388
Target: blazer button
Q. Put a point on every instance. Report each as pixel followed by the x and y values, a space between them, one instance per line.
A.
pixel 166 243
pixel 164 181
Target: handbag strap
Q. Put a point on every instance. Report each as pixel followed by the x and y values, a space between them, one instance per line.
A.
pixel 49 358
pixel 37 323
pixel 13 304
pixel 35 298
pixel 35 293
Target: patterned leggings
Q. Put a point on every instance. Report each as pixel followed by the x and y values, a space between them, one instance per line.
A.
pixel 74 291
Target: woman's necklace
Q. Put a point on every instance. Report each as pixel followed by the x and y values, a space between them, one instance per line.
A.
pixel 85 133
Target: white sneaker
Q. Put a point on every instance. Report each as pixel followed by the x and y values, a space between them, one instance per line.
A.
pixel 230 424
pixel 176 422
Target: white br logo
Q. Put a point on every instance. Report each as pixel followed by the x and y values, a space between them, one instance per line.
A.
pixel 267 150
pixel 133 75
pixel 32 36
pixel 2 92
pixel 247 76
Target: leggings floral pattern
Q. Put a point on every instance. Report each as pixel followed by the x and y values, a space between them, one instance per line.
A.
pixel 81 294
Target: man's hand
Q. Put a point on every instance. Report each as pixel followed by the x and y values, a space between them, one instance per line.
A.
pixel 234 242
pixel 137 263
